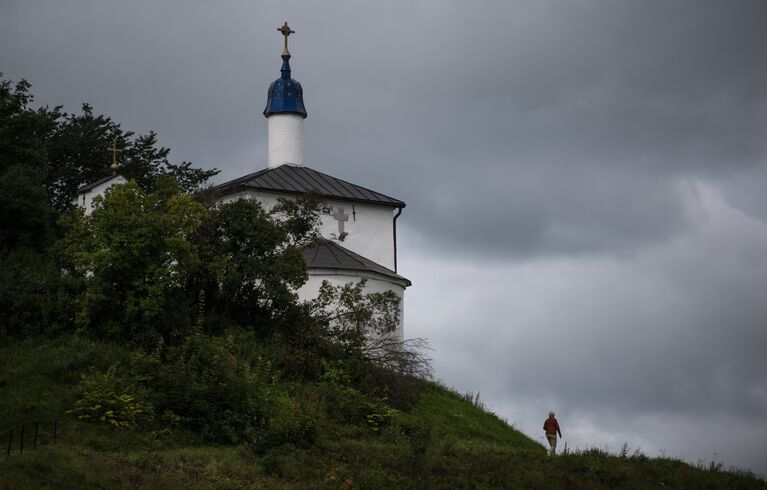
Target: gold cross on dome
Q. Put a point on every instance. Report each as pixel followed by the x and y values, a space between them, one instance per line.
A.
pixel 114 151
pixel 286 31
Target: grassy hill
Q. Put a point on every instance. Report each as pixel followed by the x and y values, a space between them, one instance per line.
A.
pixel 439 439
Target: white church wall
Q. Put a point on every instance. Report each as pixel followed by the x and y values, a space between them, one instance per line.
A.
pixel 242 195
pixel 369 230
pixel 310 290
pixel 286 140
pixel 85 199
pixel 369 227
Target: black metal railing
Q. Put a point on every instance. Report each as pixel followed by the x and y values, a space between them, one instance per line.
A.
pixel 28 435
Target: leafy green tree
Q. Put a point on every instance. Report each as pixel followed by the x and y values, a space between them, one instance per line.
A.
pixel 23 132
pixel 47 154
pixel 26 214
pixel 78 153
pixel 355 319
pixel 134 255
pixel 34 296
pixel 365 326
pixel 252 260
pixel 159 264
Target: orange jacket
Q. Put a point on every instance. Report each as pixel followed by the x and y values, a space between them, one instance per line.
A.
pixel 551 426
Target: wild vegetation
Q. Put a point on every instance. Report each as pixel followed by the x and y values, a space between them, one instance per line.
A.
pixel 164 336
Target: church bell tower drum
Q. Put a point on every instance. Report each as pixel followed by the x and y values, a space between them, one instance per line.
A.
pixel 286 140
pixel 285 114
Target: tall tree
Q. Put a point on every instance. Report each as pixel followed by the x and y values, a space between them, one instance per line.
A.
pixel 134 255
pixel 252 260
pixel 26 213
pixel 47 154
pixel 155 264
pixel 79 153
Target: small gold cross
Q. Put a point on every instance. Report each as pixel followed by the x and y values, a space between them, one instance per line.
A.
pixel 286 31
pixel 114 150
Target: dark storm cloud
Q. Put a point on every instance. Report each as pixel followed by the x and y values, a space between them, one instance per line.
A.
pixel 673 334
pixel 580 116
pixel 682 325
pixel 149 65
pixel 562 164
pixel 519 128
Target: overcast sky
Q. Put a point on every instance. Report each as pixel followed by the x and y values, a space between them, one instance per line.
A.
pixel 586 181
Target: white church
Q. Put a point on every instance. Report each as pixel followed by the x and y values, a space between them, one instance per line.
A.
pixel 366 218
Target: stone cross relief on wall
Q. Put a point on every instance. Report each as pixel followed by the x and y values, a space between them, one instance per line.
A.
pixel 341 217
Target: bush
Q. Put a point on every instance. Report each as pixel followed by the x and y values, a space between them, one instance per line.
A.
pixel 207 385
pixel 399 390
pixel 107 398
pixel 346 404
pixel 209 389
pixel 287 422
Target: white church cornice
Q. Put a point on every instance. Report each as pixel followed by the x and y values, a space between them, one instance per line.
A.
pixel 355 275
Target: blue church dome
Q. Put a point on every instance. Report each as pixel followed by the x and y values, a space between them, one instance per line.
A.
pixel 285 94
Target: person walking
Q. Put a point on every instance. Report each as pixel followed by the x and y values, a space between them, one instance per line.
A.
pixel 551 427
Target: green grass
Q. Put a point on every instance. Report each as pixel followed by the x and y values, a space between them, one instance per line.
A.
pixel 352 464
pixel 451 414
pixel 443 441
pixel 39 376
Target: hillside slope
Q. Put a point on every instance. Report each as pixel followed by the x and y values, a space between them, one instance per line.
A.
pixel 440 441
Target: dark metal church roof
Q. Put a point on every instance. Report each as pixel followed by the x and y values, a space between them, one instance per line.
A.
pixel 330 255
pixel 292 179
pixel 90 186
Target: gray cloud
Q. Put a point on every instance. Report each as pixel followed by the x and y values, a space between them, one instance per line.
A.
pixel 641 93
pixel 587 171
pixel 675 331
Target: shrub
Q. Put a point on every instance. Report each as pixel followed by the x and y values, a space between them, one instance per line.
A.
pixel 399 390
pixel 380 416
pixel 212 391
pixel 346 404
pixel 305 348
pixel 107 398
pixel 287 422
pixel 364 326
